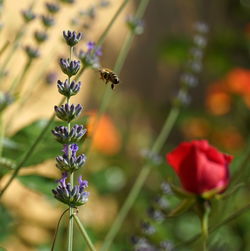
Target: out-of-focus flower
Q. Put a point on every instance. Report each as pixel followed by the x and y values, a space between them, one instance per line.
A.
pixel 218 100
pixel 229 138
pixel 40 36
pixel 200 167
pixel 104 3
pixel 28 15
pixel 47 21
pixel 194 128
pixel 51 77
pixel 32 52
pixel 238 81
pixel 5 100
pixel 90 57
pixel 52 8
pixel 72 196
pixel 106 139
pixel 135 25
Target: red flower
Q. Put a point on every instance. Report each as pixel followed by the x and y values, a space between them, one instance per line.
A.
pixel 200 167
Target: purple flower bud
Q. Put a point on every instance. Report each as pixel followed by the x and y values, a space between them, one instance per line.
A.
pixel 69 67
pixel 40 36
pixel 47 21
pixel 63 136
pixel 71 37
pixel 52 8
pixel 68 112
pixel 28 15
pixel 67 89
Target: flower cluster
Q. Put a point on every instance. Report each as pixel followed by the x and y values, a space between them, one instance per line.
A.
pixel 90 57
pixel 194 65
pixel 69 161
pixel 73 196
pixel 220 94
pixel 40 36
pixel 135 25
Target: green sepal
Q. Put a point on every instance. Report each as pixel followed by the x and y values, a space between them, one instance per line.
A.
pixel 233 190
pixel 181 193
pixel 182 207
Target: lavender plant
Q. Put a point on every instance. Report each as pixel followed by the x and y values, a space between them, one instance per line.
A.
pixel 68 163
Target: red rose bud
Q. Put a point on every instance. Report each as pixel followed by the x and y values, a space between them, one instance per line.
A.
pixel 200 167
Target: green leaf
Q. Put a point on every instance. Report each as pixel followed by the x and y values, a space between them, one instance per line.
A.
pixel 6 221
pixel 38 183
pixel 46 149
pixel 22 140
pixel 175 50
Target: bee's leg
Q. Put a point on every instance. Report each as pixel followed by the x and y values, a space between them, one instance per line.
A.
pixel 106 81
pixel 112 86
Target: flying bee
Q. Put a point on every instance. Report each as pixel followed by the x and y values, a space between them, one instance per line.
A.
pixel 109 76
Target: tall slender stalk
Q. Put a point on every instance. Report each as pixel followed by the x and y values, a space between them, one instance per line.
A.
pixel 112 21
pixel 71 220
pixel 13 48
pixel 141 178
pixel 1 133
pixel 17 84
pixel 118 66
pixel 211 229
pixel 71 210
pixel 84 233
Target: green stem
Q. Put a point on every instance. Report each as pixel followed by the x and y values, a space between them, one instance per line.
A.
pixel 4 47
pixel 57 228
pixel 117 67
pixel 204 225
pixel 104 34
pixel 126 207
pixel 30 151
pixel 17 85
pixel 134 192
pixel 106 31
pixel 227 220
pixel 71 220
pixel 84 233
pixel 11 53
pixel 165 131
pixel 1 133
pixel 71 210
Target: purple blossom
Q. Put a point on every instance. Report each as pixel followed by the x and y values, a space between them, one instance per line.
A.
pixel 73 196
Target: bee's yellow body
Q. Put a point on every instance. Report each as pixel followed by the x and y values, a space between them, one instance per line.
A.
pixel 109 76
